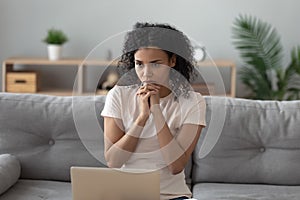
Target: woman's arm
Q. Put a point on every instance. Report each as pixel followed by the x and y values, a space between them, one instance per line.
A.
pixel 176 151
pixel 118 145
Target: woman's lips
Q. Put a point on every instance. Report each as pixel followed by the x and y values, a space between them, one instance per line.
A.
pixel 147 82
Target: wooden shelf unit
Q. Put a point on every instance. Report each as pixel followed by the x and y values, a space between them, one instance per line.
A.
pixel 8 66
pixel 222 64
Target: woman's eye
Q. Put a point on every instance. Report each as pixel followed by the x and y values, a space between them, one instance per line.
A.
pixel 139 64
pixel 155 65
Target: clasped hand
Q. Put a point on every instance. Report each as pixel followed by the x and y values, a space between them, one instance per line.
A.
pixel 148 95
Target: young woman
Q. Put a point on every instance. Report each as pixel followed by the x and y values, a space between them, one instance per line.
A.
pixel 152 117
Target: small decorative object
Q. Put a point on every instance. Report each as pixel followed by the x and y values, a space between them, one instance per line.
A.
pixel 55 39
pixel 199 53
pixel 112 79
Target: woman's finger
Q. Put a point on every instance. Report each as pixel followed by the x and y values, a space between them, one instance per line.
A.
pixel 148 94
pixel 151 86
pixel 145 90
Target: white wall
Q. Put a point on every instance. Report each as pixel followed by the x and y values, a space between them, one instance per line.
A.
pixel 23 24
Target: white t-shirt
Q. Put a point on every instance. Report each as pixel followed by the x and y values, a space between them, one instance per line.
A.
pixel 122 103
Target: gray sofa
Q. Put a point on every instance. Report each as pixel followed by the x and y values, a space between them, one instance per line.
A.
pixel 256 156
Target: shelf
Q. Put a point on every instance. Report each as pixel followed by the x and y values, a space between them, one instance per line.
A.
pixel 56 92
pixel 63 61
pixel 70 93
pixel 8 66
pixel 218 63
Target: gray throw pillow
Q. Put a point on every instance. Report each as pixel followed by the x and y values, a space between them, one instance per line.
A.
pixel 10 170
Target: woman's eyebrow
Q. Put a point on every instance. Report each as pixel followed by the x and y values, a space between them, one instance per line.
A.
pixel 153 61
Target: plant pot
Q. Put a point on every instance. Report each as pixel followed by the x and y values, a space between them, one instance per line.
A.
pixel 54 52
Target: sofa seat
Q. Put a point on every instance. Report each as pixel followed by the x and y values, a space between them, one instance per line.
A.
pixel 38 190
pixel 219 191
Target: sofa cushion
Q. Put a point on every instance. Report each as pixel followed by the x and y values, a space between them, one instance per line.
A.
pixel 259 142
pixel 41 131
pixel 10 170
pixel 215 191
pixel 34 189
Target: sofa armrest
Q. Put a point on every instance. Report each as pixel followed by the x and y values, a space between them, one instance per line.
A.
pixel 10 170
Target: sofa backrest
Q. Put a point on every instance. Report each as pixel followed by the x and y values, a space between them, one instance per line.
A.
pixel 40 130
pixel 259 142
pixel 49 134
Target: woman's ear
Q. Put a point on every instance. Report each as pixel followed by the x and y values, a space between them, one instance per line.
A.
pixel 173 60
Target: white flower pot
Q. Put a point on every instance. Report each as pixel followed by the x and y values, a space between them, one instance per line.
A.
pixel 54 52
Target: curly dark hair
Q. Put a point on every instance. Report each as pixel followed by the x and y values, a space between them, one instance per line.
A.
pixel 170 40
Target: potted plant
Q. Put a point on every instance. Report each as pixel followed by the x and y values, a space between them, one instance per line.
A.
pixel 55 39
pixel 262 53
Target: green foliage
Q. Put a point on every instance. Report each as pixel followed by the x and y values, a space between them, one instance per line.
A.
pixel 261 51
pixel 55 36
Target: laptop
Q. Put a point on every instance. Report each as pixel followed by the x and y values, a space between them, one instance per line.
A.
pixel 94 183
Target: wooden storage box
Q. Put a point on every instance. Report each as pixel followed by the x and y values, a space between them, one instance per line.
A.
pixel 21 82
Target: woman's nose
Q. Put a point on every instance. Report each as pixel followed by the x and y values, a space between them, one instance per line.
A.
pixel 148 71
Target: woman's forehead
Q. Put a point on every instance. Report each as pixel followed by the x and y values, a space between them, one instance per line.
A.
pixel 150 52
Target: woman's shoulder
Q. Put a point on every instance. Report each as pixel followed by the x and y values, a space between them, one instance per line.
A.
pixel 191 96
pixel 193 100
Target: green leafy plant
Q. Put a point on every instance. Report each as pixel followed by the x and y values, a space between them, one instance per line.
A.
pixel 56 37
pixel 262 54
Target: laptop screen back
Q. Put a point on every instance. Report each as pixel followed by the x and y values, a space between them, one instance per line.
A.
pixel 91 183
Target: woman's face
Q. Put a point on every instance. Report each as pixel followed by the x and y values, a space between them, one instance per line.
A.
pixel 152 65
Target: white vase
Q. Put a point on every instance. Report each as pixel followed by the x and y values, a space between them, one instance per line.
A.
pixel 54 52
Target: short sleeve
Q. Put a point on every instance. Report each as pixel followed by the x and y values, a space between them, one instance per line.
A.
pixel 112 107
pixel 195 110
